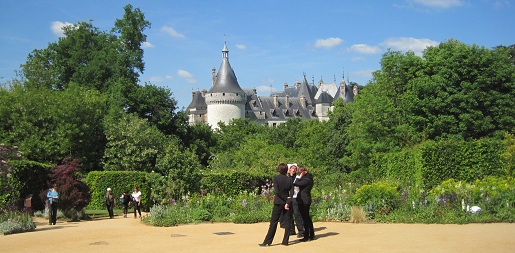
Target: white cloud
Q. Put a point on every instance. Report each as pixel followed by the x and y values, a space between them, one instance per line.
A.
pixel 155 79
pixel 444 4
pixel 169 77
pixel 241 46
pixel 408 44
pixel 186 75
pixel 57 27
pixel 358 59
pixel 265 89
pixel 147 44
pixel 365 49
pixel 501 4
pixel 172 32
pixel 363 73
pixel 328 43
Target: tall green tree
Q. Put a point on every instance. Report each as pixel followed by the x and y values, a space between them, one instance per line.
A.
pixel 181 168
pixel 453 91
pixel 131 37
pixel 132 144
pixel 49 125
pixel 90 57
pixel 466 91
pixel 85 56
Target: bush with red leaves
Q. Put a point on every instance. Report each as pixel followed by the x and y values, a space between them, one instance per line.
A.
pixel 74 194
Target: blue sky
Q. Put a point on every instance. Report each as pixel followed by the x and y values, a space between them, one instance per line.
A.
pixel 270 42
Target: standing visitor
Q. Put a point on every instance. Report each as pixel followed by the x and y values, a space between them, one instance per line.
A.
pixel 295 175
pixel 125 199
pixel 282 186
pixel 305 184
pixel 53 197
pixel 110 201
pixel 136 201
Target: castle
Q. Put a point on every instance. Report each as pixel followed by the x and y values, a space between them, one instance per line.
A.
pixel 226 100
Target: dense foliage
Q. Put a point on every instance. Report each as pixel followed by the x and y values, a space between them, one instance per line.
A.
pixel 423 124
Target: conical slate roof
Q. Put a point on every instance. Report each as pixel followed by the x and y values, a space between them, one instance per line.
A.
pixel 305 91
pixel 226 79
pixel 197 101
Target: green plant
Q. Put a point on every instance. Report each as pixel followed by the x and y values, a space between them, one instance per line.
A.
pixel 381 196
pixel 16 222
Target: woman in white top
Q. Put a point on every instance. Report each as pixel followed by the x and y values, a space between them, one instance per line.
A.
pixel 136 201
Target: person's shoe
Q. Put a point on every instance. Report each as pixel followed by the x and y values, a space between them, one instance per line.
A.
pixel 293 233
pixel 300 234
pixel 311 238
pixel 305 239
pixel 285 244
pixel 264 244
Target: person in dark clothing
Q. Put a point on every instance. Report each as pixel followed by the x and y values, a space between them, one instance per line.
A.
pixel 296 218
pixel 305 184
pixel 110 201
pixel 125 199
pixel 295 204
pixel 282 201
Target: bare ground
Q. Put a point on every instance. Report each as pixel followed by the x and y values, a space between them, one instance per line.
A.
pixel 131 235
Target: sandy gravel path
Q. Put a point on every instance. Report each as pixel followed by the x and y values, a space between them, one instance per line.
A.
pixel 130 235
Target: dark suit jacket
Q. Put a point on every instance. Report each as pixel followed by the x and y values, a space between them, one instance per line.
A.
pixel 305 185
pixel 282 186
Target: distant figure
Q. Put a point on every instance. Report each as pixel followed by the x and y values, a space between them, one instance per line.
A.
pixel 110 201
pixel 53 199
pixel 282 186
pixel 125 199
pixel 136 201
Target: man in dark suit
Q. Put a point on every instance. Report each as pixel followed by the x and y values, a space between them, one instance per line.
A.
pixel 305 184
pixel 282 201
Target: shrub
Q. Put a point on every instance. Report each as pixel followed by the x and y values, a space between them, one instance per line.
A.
pixel 74 194
pixel 381 196
pixel 118 181
pixel 16 222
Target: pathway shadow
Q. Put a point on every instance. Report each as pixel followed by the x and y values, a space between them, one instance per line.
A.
pixel 320 229
pixel 47 228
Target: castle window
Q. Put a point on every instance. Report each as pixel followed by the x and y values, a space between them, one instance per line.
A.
pixel 223 94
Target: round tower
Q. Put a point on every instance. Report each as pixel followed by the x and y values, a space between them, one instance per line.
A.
pixel 225 100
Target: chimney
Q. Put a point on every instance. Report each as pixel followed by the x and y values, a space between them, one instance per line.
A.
pixel 276 104
pixel 285 86
pixel 213 76
pixel 203 92
pixel 287 101
pixel 302 100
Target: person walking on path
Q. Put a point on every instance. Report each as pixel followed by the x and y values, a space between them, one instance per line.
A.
pixel 125 199
pixel 53 199
pixel 305 184
pixel 110 201
pixel 136 201
pixel 282 200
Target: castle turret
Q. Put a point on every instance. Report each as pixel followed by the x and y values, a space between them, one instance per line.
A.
pixel 225 100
